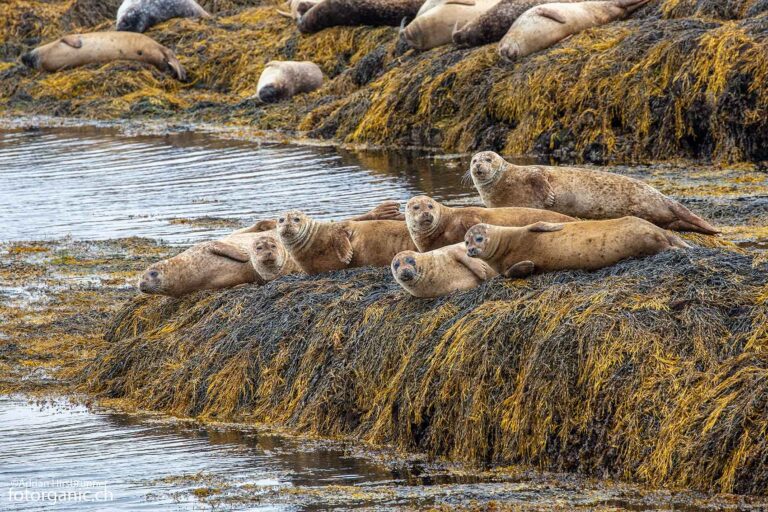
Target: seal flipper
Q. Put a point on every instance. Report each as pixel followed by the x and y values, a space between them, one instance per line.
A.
pixel 539 182
pixel 520 270
pixel 545 227
pixel 73 41
pixel 552 14
pixel 227 250
pixel 388 210
pixel 258 227
pixel 460 2
pixel 480 268
pixel 688 221
pixel 342 244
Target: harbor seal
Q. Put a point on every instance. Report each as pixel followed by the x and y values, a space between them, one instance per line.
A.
pixel 435 26
pixel 545 25
pixel 323 246
pixel 331 13
pixel 433 225
pixel 101 47
pixel 271 260
pixel 439 272
pixel 141 15
pixel 491 26
pixel 583 193
pixel 585 245
pixel 281 80
pixel 206 266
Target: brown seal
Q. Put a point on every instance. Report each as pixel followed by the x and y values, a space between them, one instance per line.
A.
pixel 434 27
pixel 585 245
pixel 281 80
pixel 439 272
pixel 101 47
pixel 331 13
pixel 583 193
pixel 233 259
pixel 433 225
pixel 491 26
pixel 545 25
pixel 324 246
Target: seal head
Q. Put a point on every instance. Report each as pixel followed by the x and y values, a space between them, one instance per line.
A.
pixel 486 168
pixel 294 228
pixel 423 215
pixel 478 241
pixel 268 257
pixel 152 280
pixel 404 267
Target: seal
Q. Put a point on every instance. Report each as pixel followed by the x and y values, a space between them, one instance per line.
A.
pixel 206 266
pixel 324 246
pixel 545 25
pixel 332 13
pixel 582 193
pixel 281 80
pixel 585 245
pixel 76 50
pixel 439 272
pixel 271 260
pixel 493 24
pixel 234 259
pixel 435 26
pixel 433 225
pixel 141 15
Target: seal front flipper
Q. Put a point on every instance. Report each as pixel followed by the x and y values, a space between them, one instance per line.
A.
pixel 477 266
pixel 73 41
pixel 230 251
pixel 460 2
pixel 520 270
pixel 545 227
pixel 552 14
pixel 537 179
pixel 342 244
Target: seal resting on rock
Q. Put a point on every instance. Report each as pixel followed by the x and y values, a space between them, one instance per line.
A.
pixel 491 26
pixel 76 50
pixel 281 80
pixel 582 193
pixel 141 15
pixel 324 246
pixel 332 13
pixel 233 259
pixel 439 272
pixel 545 25
pixel 433 225
pixel 585 245
pixel 435 26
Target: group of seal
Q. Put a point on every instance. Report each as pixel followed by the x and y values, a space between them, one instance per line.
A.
pixel 533 221
pixel 279 80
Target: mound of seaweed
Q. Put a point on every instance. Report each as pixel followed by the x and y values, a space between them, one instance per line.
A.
pixel 654 370
pixel 683 78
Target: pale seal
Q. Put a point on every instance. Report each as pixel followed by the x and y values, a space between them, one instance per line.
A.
pixel 76 50
pixel 439 272
pixel 281 80
pixel 435 26
pixel 585 245
pixel 583 193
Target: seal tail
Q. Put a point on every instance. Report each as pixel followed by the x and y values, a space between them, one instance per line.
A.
pixel 688 221
pixel 285 14
pixel 176 68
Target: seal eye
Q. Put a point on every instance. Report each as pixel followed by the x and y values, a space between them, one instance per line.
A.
pixel 478 238
pixel 281 220
pixel 295 219
pixel 431 207
pixel 410 261
pixel 154 273
pixel 396 265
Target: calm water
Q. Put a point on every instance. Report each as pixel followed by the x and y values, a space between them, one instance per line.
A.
pixel 95 184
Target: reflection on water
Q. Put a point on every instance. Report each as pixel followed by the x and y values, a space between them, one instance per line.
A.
pixel 94 184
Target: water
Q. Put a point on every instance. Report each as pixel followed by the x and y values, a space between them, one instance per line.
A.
pixel 95 184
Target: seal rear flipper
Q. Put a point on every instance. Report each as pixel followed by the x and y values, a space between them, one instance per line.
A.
pixel 545 227
pixel 73 41
pixel 173 65
pixel 552 14
pixel 342 244
pixel 520 270
pixel 388 210
pixel 258 227
pixel 227 250
pixel 688 221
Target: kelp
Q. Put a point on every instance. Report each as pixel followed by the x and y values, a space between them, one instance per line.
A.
pixel 654 370
pixel 681 79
